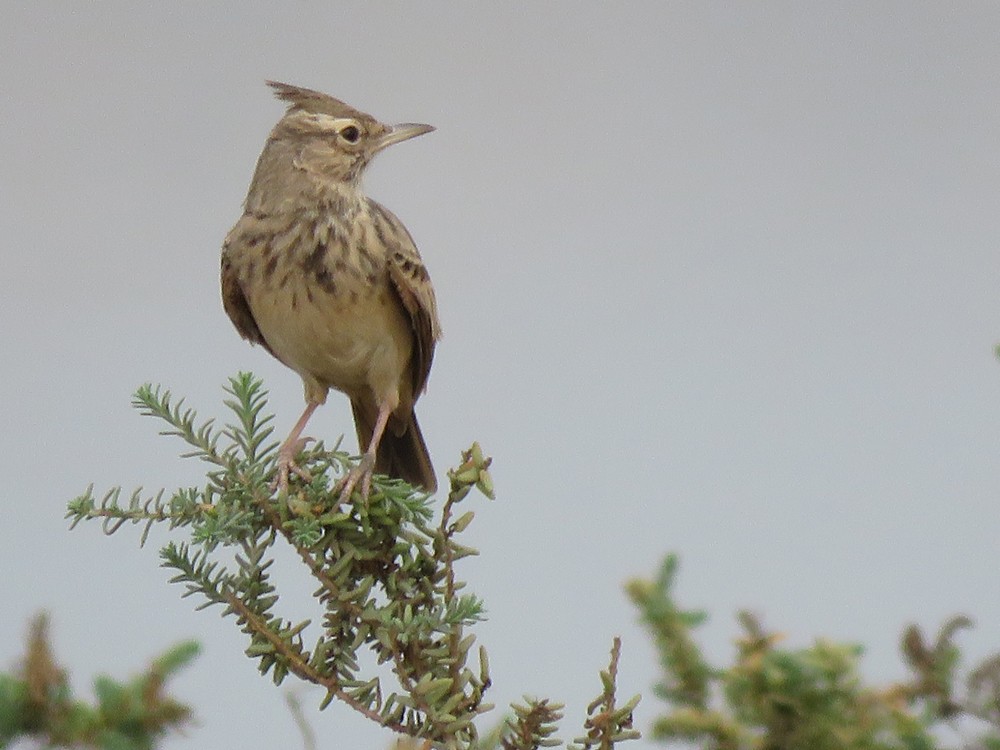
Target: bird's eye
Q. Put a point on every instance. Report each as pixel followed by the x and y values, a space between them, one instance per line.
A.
pixel 350 134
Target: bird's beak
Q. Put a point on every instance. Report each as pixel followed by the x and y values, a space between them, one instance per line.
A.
pixel 403 132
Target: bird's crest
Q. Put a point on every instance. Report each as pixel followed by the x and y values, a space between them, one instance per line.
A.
pixel 317 102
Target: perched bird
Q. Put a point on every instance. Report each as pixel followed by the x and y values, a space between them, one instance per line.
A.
pixel 330 282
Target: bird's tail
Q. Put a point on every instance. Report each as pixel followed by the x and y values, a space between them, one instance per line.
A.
pixel 402 453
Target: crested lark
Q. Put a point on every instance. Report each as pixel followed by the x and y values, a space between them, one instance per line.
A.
pixel 330 282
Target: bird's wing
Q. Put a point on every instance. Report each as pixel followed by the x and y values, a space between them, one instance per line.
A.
pixel 234 300
pixel 413 286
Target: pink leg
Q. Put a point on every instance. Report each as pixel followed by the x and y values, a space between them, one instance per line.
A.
pixel 366 466
pixel 291 446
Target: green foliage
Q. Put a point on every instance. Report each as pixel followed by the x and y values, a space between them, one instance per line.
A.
pixel 534 723
pixel 384 569
pixel 608 723
pixel 789 699
pixel 36 702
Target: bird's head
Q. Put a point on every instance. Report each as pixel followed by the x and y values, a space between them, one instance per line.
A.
pixel 329 139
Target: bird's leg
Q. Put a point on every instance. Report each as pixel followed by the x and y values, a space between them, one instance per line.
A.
pixel 366 466
pixel 288 450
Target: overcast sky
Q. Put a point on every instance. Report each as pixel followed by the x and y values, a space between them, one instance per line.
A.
pixel 715 278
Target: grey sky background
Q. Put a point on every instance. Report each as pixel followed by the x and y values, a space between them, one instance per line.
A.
pixel 715 278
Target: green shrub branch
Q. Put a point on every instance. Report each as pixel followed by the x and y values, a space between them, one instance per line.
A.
pixel 386 574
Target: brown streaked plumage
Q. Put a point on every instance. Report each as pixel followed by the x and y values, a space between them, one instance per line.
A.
pixel 331 283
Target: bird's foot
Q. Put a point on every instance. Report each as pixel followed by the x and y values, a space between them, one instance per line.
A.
pixel 363 473
pixel 287 465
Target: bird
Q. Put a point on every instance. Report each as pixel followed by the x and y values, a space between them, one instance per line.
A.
pixel 330 283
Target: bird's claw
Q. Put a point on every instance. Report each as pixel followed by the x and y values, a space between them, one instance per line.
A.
pixel 287 466
pixel 363 473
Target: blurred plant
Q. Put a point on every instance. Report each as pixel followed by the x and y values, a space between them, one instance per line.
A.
pixel 811 698
pixel 385 571
pixel 36 701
